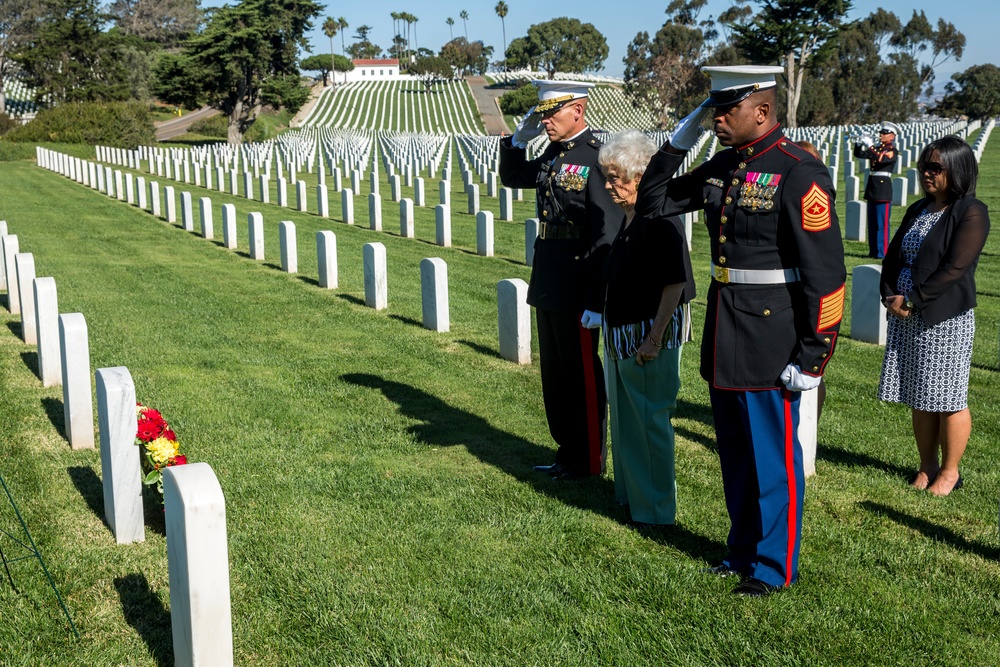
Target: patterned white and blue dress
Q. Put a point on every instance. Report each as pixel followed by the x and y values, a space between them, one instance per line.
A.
pixel 927 368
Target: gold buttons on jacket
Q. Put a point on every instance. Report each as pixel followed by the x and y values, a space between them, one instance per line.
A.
pixel 825 355
pixel 736 181
pixel 722 238
pixel 729 200
pixel 562 155
pixel 722 260
pixel 827 340
pixel 724 219
pixel 545 213
pixel 815 368
pixel 767 311
pixel 750 151
pixel 743 165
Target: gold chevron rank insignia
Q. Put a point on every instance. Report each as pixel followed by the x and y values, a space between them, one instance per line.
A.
pixel 831 309
pixel 816 214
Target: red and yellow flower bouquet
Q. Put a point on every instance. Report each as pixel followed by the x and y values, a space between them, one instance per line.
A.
pixel 159 445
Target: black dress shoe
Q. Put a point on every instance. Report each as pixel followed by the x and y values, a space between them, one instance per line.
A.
pixel 722 571
pixel 755 588
pixel 554 469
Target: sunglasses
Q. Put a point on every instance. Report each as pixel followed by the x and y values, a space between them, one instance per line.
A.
pixel 932 168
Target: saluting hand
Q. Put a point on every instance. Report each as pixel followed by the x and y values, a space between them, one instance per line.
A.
pixel 529 128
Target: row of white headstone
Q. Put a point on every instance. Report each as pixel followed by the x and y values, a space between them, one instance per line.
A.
pixel 197 552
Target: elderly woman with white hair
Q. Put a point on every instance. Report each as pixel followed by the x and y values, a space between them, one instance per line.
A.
pixel 646 322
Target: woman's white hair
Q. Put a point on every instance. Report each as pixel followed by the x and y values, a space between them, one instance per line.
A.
pixel 628 152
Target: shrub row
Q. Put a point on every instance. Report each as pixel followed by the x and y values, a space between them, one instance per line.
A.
pixel 118 124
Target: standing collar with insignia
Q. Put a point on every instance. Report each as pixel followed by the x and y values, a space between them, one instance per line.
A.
pixel 584 137
pixel 762 144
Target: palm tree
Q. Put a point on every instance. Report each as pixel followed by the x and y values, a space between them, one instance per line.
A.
pixel 395 19
pixel 501 10
pixel 416 44
pixel 450 23
pixel 464 15
pixel 342 23
pixel 330 28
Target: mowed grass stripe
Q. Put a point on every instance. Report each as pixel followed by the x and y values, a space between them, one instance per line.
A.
pixel 381 503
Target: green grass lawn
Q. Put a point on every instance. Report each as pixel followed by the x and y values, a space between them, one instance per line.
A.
pixel 381 505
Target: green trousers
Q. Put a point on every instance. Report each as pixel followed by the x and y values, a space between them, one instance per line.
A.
pixel 643 400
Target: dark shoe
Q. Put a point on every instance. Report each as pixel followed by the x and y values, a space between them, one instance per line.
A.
pixel 755 588
pixel 554 469
pixel 722 571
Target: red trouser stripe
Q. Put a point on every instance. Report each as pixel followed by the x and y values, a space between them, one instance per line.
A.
pixel 590 388
pixel 885 229
pixel 790 474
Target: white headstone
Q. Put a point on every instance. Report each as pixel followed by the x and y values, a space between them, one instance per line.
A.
pixel 229 225
pixel 899 191
pixel 347 206
pixel 434 293
pixel 78 404
pixel 198 566
pixel 530 235
pixel 120 456
pixel 255 234
pixel 289 248
pixel 282 192
pixel 170 204
pixel 856 227
pixel 326 253
pixel 473 191
pixel 10 249
pixel 868 315
pixel 47 331
pixel 419 196
pixel 444 193
pixel 248 185
pixel 374 212
pixel 140 191
pixel 395 188
pixel 3 257
pixel 484 233
pixel 187 212
pixel 442 225
pixel 376 285
pixel 406 219
pixel 300 196
pixel 322 201
pixel 265 189
pixel 514 320
pixel 24 267
pixel 506 204
pixel 207 223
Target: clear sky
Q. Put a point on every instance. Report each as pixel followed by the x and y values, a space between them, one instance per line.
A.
pixel 620 21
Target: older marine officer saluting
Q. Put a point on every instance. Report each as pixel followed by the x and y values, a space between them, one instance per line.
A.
pixel 578 222
pixel 774 307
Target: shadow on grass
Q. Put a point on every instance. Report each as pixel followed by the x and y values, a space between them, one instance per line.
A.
pixel 984 367
pixel 309 281
pixel 443 425
pixel 352 299
pixel 15 328
pixel 407 320
pixel 56 414
pixel 932 530
pixel 144 611
pixel 699 412
pixel 481 349
pixel 704 441
pixel 90 487
pixel 842 457
pixel 30 360
pixel 272 265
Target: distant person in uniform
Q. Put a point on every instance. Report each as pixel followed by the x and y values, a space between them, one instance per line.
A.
pixel 774 307
pixel 577 223
pixel 878 191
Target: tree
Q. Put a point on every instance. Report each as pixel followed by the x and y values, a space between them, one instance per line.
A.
pixel 246 58
pixel 464 15
pixel 501 10
pixel 342 24
pixel 330 29
pixel 70 59
pixel 918 36
pixel 451 33
pixel 795 34
pixel 560 45
pixel 166 22
pixel 432 70
pixel 664 74
pixel 467 58
pixel 364 48
pixel 17 26
pixel 976 95
pixel 322 62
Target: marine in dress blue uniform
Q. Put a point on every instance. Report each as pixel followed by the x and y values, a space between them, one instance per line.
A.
pixel 577 223
pixel 878 190
pixel 774 308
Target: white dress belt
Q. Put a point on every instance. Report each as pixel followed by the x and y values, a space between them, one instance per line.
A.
pixel 881 173
pixel 755 276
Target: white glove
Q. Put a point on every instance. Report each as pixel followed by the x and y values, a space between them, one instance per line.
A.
pixel 796 380
pixel 688 130
pixel 591 320
pixel 529 128
pixel 866 141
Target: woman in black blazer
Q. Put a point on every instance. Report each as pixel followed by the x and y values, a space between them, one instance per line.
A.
pixel 928 286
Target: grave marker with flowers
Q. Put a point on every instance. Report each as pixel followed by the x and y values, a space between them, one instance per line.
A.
pixel 159 446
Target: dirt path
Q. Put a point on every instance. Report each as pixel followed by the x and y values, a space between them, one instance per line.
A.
pixel 168 129
pixel 486 101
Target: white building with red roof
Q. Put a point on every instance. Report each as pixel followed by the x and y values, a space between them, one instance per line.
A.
pixel 374 69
